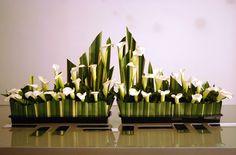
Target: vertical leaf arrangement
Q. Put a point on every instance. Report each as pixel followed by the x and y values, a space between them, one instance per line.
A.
pixel 88 91
pixel 154 94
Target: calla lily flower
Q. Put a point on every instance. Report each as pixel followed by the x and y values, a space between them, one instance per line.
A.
pixel 196 97
pixel 175 76
pixel 186 84
pixel 106 87
pixel 146 96
pixel 158 72
pixel 14 96
pixel 120 47
pixel 144 82
pixel 197 83
pixel 40 94
pixel 95 95
pixel 14 91
pixel 122 90
pixel 73 73
pixel 163 94
pixel 35 94
pixel 69 91
pixel 132 70
pixel 59 81
pixel 104 53
pixel 139 51
pixel 208 90
pixel 81 66
pixel 53 94
pixel 77 84
pixel 224 94
pixel 33 86
pixel 81 96
pixel 44 83
pixel 135 93
pixel 55 69
pixel 181 73
pixel 158 81
pixel 93 70
pixel 177 97
pixel 61 96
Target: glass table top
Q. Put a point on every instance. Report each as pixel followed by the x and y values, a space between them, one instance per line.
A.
pixel 116 135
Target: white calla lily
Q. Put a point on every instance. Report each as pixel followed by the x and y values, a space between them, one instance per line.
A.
pixel 81 96
pixel 14 91
pixel 73 73
pixel 14 96
pixel 196 97
pixel 132 71
pixel 158 72
pixel 144 82
pixel 30 94
pixel 181 73
pixel 69 91
pixel 177 97
pixel 130 64
pixel 81 66
pixel 77 84
pixel 139 51
pixel 105 89
pixel 208 90
pixel 44 83
pixel 146 96
pixel 61 96
pixel 55 69
pixel 93 70
pixel 33 86
pixel 95 95
pixel 120 47
pixel 59 81
pixel 186 85
pixel 175 76
pixel 53 94
pixel 121 87
pixel 40 94
pixel 163 94
pixel 224 94
pixel 104 53
pixel 135 93
pixel 158 81
pixel 197 83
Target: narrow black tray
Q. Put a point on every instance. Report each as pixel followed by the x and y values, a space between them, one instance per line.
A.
pixel 33 120
pixel 170 119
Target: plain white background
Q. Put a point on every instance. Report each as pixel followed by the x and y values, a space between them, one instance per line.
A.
pixel 198 35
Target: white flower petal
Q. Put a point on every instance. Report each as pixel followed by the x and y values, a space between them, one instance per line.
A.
pixel 133 92
pixel 68 90
pixel 130 64
pixel 81 96
pixel 55 69
pixel 43 80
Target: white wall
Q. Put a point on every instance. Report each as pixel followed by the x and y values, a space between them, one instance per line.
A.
pixel 199 35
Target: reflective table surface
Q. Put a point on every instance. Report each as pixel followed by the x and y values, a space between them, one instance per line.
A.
pixel 115 138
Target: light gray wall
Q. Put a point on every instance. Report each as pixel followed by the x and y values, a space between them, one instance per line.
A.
pixel 199 35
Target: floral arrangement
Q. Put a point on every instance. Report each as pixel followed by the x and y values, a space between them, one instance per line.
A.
pixel 88 91
pixel 156 95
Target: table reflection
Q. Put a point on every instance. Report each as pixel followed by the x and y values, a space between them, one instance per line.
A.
pixel 74 137
pixel 171 138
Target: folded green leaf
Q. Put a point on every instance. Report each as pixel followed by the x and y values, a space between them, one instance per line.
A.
pixel 69 66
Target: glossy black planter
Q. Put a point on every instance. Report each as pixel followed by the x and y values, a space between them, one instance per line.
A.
pixel 33 120
pixel 166 119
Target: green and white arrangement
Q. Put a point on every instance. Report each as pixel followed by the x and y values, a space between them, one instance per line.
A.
pixel 88 92
pixel 155 95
